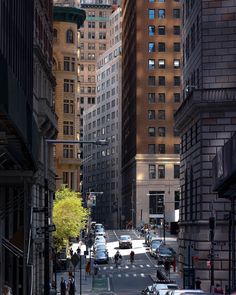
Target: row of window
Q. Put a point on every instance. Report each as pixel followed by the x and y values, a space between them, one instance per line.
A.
pixel 158 171
pixel 160 131
pixel 92 35
pixel 69 36
pixel 161 81
pixel 162 64
pixel 161 30
pixel 162 1
pixel 90 79
pixel 90 100
pixel 100 25
pixel 161 97
pixel 92 46
pixel 161 13
pixel 88 56
pixel 161 114
pixel 104 119
pixel 161 47
pixel 161 149
pixel 91 68
pixel 87 89
pixel 99 132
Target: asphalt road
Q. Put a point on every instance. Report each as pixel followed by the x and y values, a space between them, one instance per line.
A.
pixel 127 278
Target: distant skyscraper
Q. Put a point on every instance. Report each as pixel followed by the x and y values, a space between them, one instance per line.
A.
pixel 103 120
pixel 150 96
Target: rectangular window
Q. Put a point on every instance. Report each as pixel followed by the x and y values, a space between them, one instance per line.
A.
pixel 161 63
pixel 176 13
pixel 68 128
pixel 176 148
pixel 176 97
pixel 151 149
pixel 177 200
pixel 68 106
pixel 161 114
pixel 176 80
pixel 177 47
pixel 176 63
pixel 162 80
pixel 161 47
pixel 151 13
pixel 151 97
pixel 151 115
pixel 151 64
pixel 161 30
pixel 162 97
pixel 152 171
pixel 151 47
pixel 68 85
pixel 161 171
pixel 161 148
pixel 151 81
pixel 152 131
pixel 66 63
pixel 161 13
pixel 176 30
pixel 176 171
pixel 151 30
pixel 68 151
pixel 162 131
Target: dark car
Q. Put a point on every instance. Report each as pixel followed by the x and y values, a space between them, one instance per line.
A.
pixel 101 257
pixel 125 241
pixel 163 254
pixel 155 244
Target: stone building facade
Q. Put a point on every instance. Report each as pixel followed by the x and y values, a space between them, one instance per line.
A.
pixel 205 120
pixel 67 21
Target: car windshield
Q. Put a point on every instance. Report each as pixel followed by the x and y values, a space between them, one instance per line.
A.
pixel 165 251
pixel 124 238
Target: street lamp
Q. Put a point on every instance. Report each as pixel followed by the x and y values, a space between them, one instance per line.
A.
pixel 46 201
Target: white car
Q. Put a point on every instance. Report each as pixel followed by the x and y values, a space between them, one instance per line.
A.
pixel 125 241
pixel 100 239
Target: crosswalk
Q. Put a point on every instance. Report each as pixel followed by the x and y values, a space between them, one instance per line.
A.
pixel 123 275
pixel 127 266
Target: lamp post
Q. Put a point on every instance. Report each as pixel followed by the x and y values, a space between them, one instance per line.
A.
pixel 47 142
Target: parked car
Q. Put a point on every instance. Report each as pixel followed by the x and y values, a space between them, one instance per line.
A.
pixel 157 287
pixel 164 253
pixel 151 236
pixel 125 241
pixel 101 256
pixel 155 244
pixel 100 232
pixel 187 292
pixel 100 238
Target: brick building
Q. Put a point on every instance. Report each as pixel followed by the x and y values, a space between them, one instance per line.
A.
pixel 150 96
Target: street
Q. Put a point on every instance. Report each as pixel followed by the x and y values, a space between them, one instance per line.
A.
pixel 127 278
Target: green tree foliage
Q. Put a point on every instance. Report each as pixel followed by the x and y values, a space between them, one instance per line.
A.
pixel 69 215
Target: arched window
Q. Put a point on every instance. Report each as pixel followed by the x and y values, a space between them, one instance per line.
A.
pixel 69 36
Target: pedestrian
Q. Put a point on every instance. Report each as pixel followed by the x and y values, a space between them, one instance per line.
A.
pixel 95 268
pixel 72 286
pixel 198 283
pixel 88 268
pixel 218 289
pixel 63 286
pixel 71 252
pixel 78 251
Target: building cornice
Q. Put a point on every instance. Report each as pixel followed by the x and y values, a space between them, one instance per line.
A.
pixel 69 14
pixel 204 100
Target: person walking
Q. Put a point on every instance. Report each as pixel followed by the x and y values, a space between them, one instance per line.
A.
pixel 87 269
pixel 63 286
pixel 198 283
pixel 131 256
pixel 95 269
pixel 72 286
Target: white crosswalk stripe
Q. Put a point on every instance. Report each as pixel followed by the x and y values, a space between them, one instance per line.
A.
pixel 126 266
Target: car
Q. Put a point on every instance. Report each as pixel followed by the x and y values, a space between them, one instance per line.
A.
pixel 125 241
pixel 100 239
pixel 98 226
pixel 164 253
pixel 156 288
pixel 187 292
pixel 101 257
pixel 100 232
pixel 153 247
pixel 100 247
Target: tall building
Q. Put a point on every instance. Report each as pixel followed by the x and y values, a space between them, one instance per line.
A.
pixel 205 120
pixel 150 97
pixel 26 118
pixel 102 165
pixel 94 36
pixel 67 21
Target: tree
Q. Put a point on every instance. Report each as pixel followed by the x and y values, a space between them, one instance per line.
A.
pixel 69 215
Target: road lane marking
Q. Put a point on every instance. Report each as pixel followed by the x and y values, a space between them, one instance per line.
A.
pixel 142 275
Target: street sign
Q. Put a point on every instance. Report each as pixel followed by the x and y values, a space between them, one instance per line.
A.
pixel 75 259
